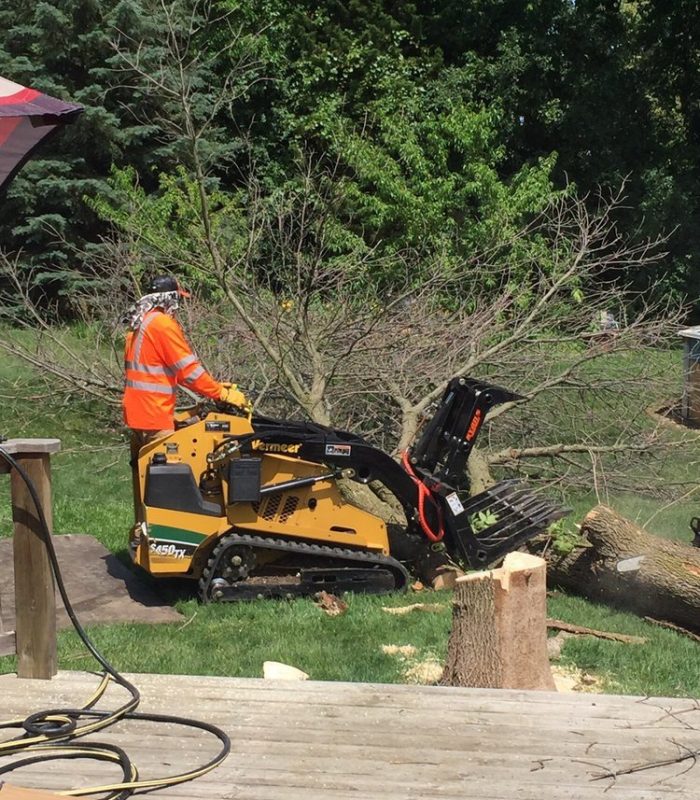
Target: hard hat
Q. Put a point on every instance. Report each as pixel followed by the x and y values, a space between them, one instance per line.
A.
pixel 166 283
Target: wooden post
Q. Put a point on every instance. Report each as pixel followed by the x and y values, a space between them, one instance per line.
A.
pixel 35 601
pixel 499 628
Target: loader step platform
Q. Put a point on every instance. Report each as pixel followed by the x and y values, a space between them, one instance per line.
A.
pixel 227 576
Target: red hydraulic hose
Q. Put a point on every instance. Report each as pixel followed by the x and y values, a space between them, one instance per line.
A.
pixel 423 493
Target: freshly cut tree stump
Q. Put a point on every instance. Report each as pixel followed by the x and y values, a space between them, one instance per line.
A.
pixel 620 564
pixel 499 628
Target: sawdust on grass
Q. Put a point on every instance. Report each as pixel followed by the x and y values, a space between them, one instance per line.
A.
pixel 424 670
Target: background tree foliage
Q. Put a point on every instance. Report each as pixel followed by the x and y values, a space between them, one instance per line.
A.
pixel 368 199
pixel 444 122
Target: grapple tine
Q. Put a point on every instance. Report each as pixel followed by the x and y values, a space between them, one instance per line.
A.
pixel 519 515
pixel 515 525
pixel 519 501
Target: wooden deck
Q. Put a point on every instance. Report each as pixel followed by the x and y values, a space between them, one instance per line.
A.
pixel 336 741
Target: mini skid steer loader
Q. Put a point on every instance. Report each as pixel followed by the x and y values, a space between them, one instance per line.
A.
pixel 252 508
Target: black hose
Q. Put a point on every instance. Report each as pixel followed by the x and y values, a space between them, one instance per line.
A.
pixel 54 729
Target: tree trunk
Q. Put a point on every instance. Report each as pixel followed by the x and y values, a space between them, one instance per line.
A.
pixel 499 628
pixel 480 477
pixel 374 499
pixel 620 564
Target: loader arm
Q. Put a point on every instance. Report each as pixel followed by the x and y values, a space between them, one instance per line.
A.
pixel 430 484
pixel 349 454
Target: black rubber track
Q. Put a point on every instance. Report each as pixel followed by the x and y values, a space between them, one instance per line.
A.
pixel 345 558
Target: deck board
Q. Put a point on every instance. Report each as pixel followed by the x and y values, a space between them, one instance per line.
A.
pixel 311 740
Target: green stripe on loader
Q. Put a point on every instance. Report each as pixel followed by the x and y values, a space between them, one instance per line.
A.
pixel 168 534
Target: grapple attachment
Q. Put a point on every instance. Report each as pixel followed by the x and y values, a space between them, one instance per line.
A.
pixel 497 521
pixel 482 528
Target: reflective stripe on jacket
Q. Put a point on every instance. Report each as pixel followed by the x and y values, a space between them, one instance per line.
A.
pixel 157 358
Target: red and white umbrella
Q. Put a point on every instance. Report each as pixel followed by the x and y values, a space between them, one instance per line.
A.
pixel 27 117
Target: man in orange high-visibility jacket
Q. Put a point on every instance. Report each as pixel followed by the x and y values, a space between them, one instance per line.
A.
pixel 157 358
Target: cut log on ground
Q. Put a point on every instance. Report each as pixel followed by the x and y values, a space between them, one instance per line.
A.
pixel 622 565
pixel 499 628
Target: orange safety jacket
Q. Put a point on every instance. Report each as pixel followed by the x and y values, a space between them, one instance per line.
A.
pixel 157 358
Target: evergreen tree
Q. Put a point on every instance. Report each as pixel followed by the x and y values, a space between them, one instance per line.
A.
pixel 54 47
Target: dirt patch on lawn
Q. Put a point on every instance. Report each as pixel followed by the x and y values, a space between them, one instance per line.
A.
pixel 101 588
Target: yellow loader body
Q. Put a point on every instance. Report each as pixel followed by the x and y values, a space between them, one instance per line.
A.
pixel 251 507
pixel 175 542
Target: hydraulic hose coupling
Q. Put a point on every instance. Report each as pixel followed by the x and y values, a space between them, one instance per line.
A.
pixel 223 453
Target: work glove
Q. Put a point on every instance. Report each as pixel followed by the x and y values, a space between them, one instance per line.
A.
pixel 231 394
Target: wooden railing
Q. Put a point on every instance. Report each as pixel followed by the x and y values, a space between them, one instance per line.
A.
pixel 35 599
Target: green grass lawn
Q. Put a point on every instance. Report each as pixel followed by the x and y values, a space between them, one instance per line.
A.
pixel 92 495
pixel 236 639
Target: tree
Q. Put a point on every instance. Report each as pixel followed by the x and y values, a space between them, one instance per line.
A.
pixel 447 119
pixel 425 173
pixel 609 87
pixel 291 309
pixel 666 66
pixel 53 47
pixel 86 51
pixel 313 295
